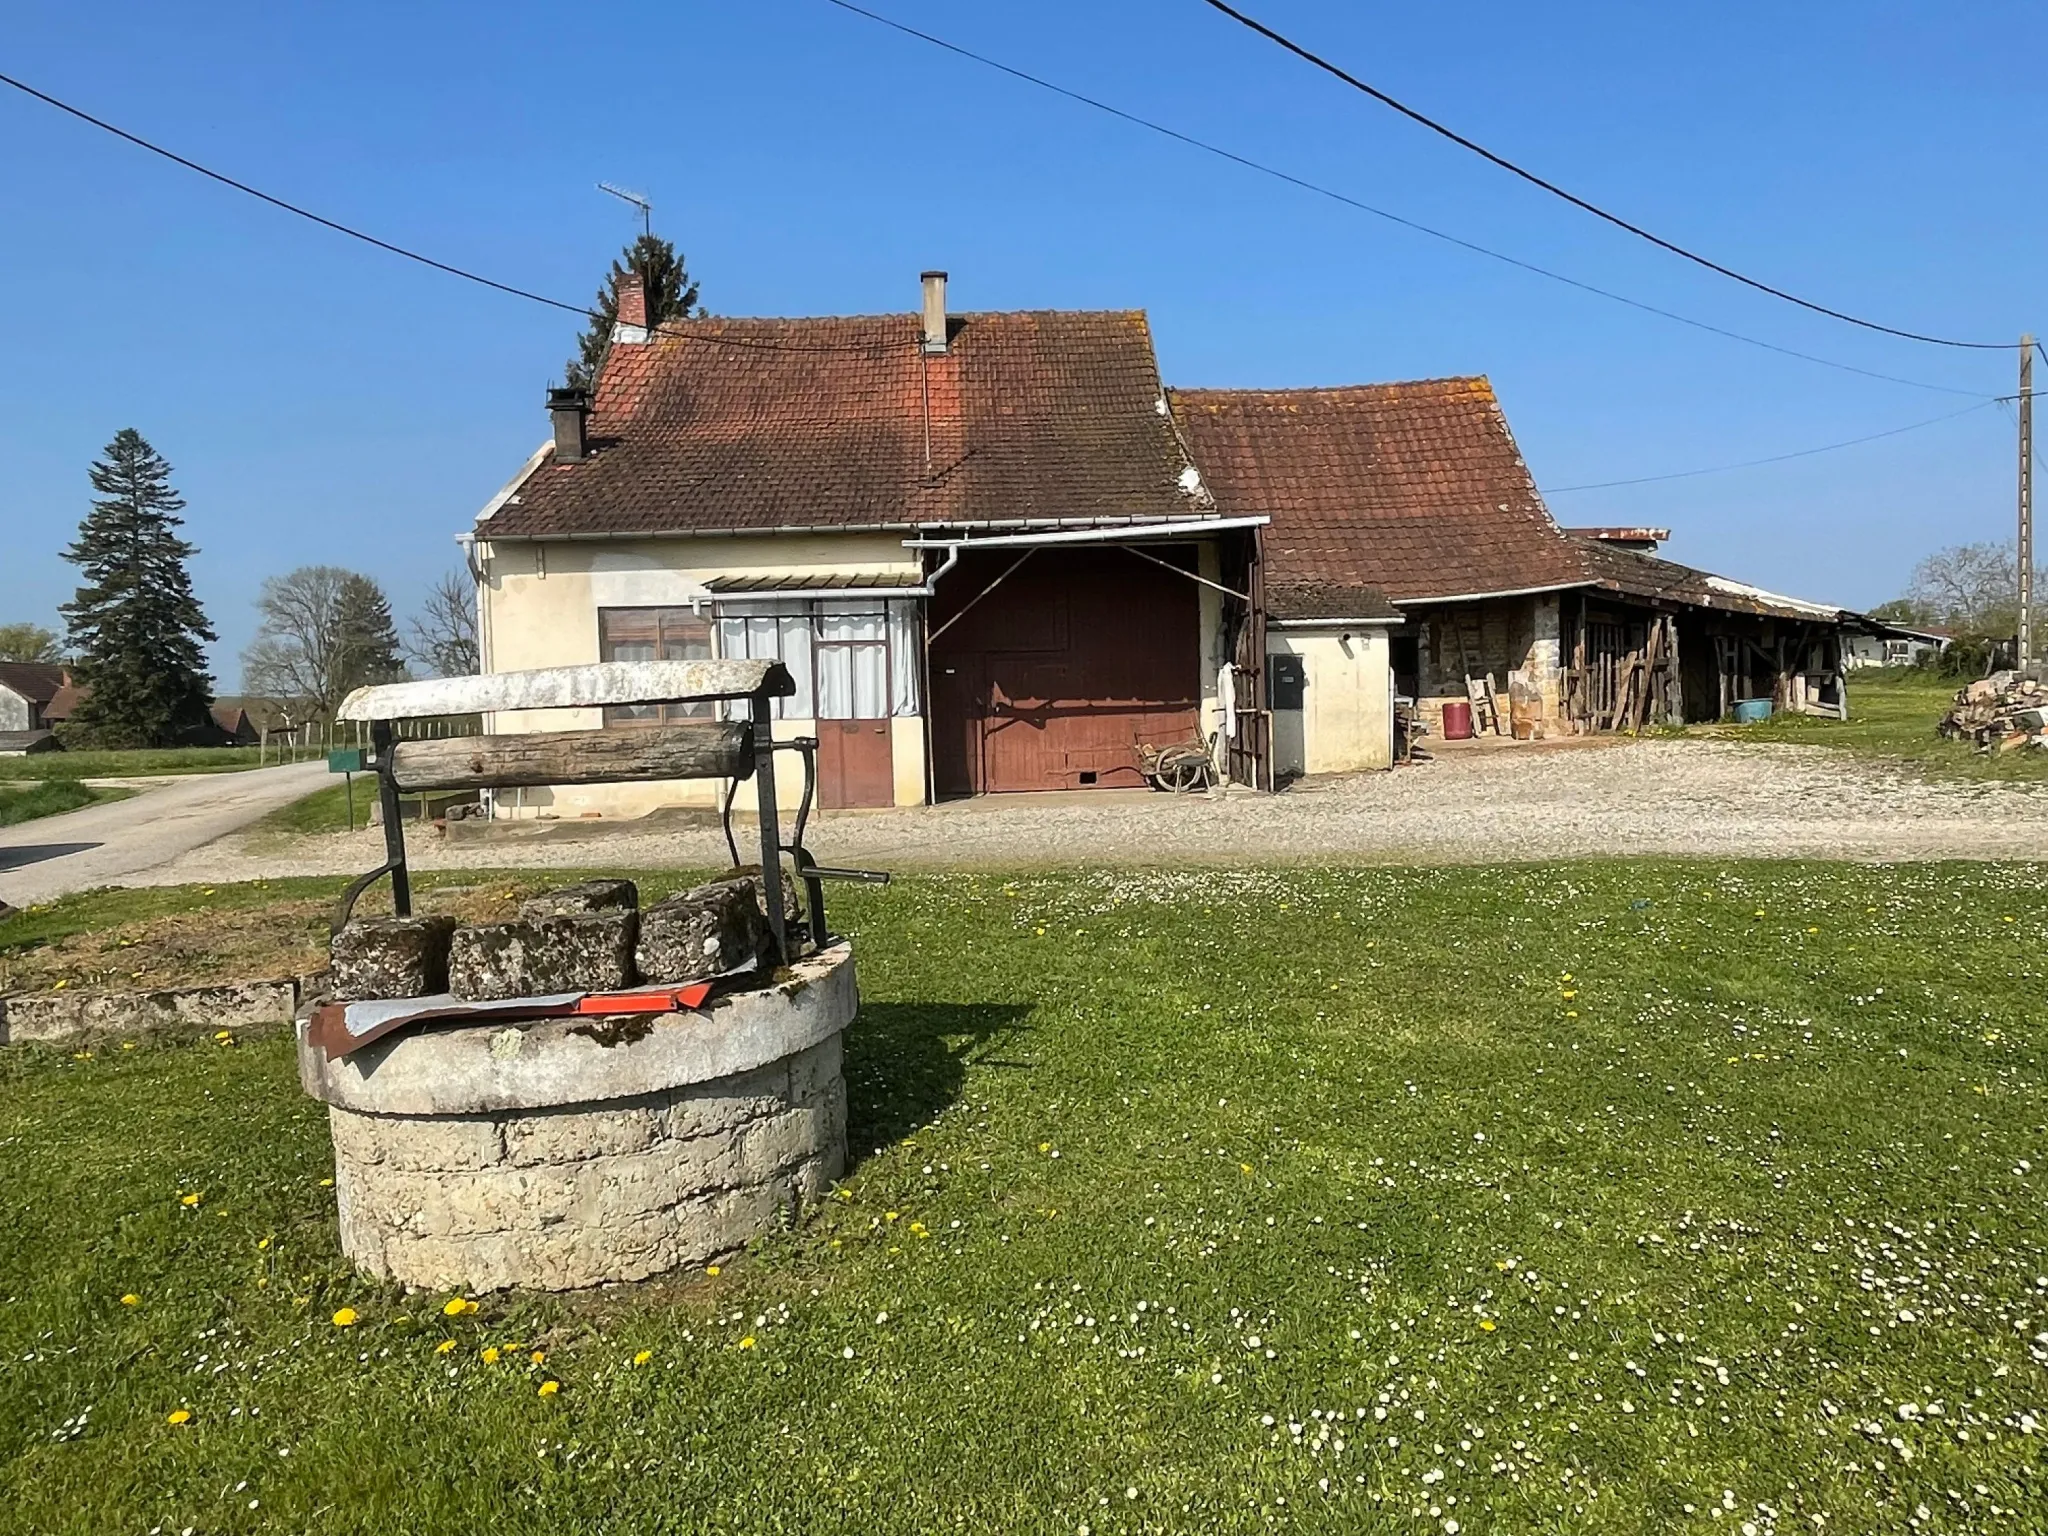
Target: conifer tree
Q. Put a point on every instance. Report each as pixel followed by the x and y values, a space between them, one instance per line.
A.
pixel 671 295
pixel 366 639
pixel 136 628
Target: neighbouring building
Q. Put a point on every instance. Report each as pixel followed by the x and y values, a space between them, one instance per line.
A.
pixel 1899 647
pixel 1417 490
pixel 33 695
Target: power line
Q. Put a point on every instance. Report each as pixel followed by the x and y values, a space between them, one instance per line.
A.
pixel 1574 199
pixel 398 250
pixel 1380 213
pixel 1776 458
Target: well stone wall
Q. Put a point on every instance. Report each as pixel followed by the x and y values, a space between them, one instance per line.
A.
pixel 582 1195
pixel 569 1152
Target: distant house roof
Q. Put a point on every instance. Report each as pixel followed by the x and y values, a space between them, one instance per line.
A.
pixel 1416 489
pixel 65 701
pixel 36 681
pixel 735 425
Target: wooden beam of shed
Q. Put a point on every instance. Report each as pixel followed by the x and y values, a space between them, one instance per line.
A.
pixel 712 750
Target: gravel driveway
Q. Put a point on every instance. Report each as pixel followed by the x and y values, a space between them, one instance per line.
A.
pixel 1699 798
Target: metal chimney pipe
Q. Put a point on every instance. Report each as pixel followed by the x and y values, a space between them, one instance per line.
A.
pixel 570 410
pixel 934 311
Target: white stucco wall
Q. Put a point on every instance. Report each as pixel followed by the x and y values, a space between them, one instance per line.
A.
pixel 1346 723
pixel 16 713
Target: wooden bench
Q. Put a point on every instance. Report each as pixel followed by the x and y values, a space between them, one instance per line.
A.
pixel 732 750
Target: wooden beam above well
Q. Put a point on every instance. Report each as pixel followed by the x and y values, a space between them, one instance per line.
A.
pixel 585 687
pixel 715 749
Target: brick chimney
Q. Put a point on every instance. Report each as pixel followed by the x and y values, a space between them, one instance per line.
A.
pixel 631 325
pixel 934 311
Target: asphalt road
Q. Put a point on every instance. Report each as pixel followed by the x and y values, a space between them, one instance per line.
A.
pixel 113 843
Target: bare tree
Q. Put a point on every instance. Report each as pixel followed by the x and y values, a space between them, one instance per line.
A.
pixel 325 630
pixel 442 640
pixel 1970 589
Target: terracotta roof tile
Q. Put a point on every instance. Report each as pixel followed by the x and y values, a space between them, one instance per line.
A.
pixel 1417 489
pixel 758 424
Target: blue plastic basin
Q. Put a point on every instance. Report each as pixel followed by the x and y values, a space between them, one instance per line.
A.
pixel 1750 711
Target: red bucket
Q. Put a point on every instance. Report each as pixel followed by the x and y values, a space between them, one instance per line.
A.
pixel 1457 720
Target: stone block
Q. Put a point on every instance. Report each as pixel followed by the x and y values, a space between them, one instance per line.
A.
pixel 816 1074
pixel 709 1108
pixel 772 1147
pixel 53 1016
pixel 382 957
pixel 702 932
pixel 576 900
pixel 455 1144
pixel 464 1204
pixel 575 1135
pixel 591 953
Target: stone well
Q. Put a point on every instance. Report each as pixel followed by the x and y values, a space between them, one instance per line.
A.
pixel 573 1152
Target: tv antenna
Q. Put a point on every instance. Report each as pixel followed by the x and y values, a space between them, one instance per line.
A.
pixel 646 208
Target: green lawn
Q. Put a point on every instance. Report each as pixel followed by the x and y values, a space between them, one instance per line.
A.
pixel 326 809
pixel 1892 714
pixel 150 762
pixel 1585 1197
pixel 50 798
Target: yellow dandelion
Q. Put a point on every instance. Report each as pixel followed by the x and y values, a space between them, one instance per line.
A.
pixel 1045 1146
pixel 178 1416
pixel 223 1036
pixel 128 1045
pixel 458 1306
pixel 1813 930
pixel 446 1346
pixel 191 1199
pixel 538 1356
pixel 1569 994
pixel 747 1342
pixel 345 1318
pixel 890 1215
pixel 327 1183
pixel 1486 1325
pixel 131 1300
pixel 917 1229
pixel 1244 1167
pixel 490 1355
pixel 713 1270
pixel 263 1242
pixel 643 1357
pixel 550 1388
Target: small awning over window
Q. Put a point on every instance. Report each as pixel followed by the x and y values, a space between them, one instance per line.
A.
pixel 889 583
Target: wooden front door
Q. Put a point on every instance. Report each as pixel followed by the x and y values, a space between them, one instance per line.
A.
pixel 855 765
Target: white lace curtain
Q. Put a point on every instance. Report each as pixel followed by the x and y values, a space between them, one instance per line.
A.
pixel 850 659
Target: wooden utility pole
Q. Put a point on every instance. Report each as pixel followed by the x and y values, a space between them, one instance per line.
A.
pixel 2026 541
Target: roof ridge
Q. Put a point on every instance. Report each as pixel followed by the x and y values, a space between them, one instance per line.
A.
pixel 1299 391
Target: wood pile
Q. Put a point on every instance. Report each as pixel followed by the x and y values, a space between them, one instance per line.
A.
pixel 2000 713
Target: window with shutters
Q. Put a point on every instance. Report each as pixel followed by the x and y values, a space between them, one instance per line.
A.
pixel 653 634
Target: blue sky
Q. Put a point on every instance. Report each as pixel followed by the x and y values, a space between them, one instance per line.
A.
pixel 323 402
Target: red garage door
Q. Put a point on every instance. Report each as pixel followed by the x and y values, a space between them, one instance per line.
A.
pixel 1052 679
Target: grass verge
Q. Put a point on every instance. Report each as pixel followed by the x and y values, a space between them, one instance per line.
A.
pixel 1892 714
pixel 52 797
pixel 1582 1197
pixel 138 764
